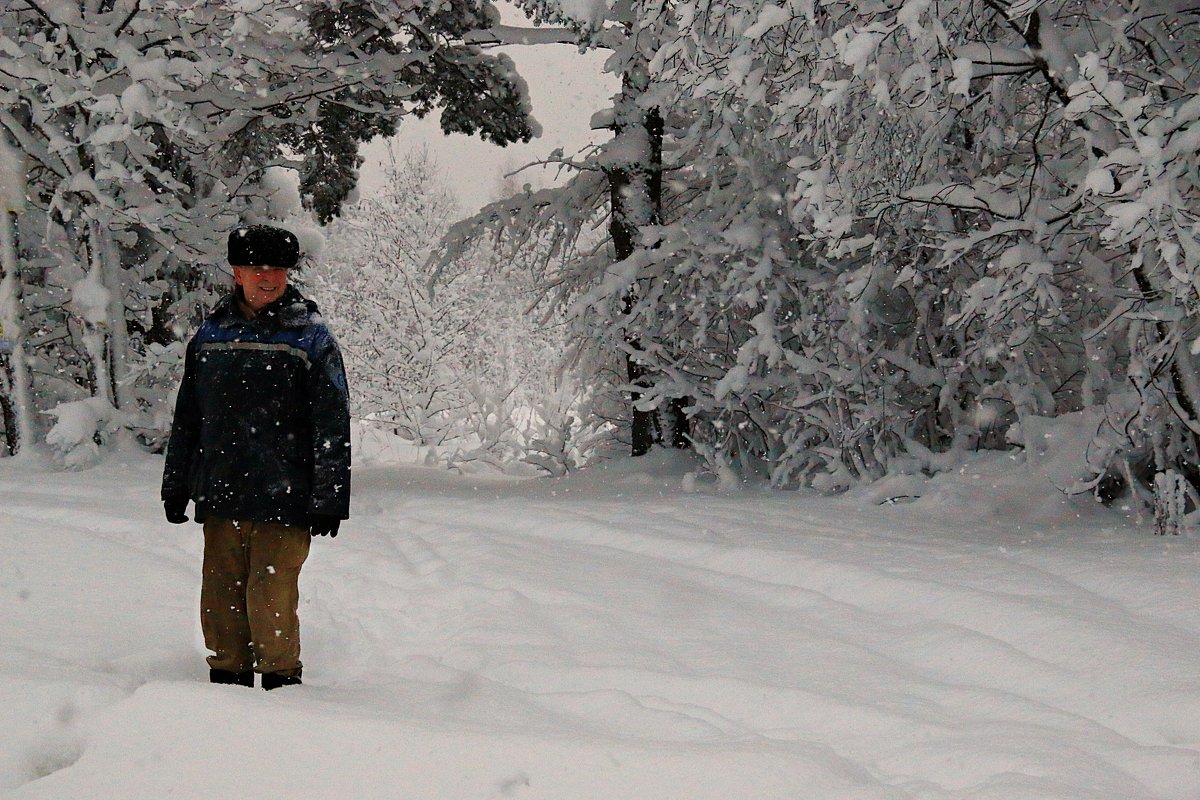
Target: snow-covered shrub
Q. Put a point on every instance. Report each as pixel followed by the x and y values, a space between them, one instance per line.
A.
pixel 154 376
pixel 81 427
pixel 485 430
pixel 563 431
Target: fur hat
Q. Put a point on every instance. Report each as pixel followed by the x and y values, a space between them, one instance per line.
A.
pixel 263 246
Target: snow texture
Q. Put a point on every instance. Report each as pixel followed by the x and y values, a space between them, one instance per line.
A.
pixel 585 12
pixel 89 299
pixel 12 178
pixel 77 423
pixel 611 635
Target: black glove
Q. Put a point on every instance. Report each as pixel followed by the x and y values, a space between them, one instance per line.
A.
pixel 176 509
pixel 323 525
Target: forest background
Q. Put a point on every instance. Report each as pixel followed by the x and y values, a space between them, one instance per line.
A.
pixel 816 242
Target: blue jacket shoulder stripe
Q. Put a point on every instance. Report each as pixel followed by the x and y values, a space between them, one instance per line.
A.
pixel 282 347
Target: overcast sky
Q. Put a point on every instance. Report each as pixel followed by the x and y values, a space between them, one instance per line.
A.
pixel 566 88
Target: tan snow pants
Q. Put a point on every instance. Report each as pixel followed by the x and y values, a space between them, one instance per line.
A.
pixel 249 595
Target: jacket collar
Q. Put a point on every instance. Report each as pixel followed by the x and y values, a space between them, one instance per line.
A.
pixel 292 310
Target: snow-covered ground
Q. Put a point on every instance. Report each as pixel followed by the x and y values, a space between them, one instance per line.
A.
pixel 613 636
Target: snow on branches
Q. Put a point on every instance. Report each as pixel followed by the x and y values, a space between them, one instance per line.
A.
pixel 148 129
pixel 891 230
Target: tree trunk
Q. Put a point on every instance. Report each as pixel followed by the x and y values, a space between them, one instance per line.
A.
pixel 14 373
pixel 635 191
pixel 95 330
pixel 1184 383
pixel 118 330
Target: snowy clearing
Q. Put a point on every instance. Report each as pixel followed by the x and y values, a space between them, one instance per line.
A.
pixel 610 635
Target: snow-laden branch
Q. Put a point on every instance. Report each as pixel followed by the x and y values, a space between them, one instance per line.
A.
pixel 501 35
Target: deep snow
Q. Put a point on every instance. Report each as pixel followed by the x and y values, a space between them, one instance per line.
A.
pixel 610 635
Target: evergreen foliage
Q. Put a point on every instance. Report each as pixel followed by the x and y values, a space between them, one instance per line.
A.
pixel 475 92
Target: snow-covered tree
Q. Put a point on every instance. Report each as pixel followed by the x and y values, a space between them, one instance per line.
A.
pixel 618 186
pixel 14 372
pixel 922 214
pixel 373 289
pixel 891 231
pixel 915 222
pixel 452 357
pixel 430 66
pixel 146 129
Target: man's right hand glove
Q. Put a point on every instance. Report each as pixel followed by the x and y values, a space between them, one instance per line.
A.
pixel 323 525
pixel 176 509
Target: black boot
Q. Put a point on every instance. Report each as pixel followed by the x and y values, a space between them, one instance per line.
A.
pixel 273 680
pixel 232 678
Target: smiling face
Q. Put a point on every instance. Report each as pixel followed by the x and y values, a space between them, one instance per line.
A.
pixel 261 286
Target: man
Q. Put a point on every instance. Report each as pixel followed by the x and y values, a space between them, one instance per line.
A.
pixel 261 443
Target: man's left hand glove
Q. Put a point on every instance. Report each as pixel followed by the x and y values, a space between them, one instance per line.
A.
pixel 176 510
pixel 323 525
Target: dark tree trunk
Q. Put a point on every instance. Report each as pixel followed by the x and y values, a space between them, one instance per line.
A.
pixel 635 192
pixel 681 424
pixel 7 410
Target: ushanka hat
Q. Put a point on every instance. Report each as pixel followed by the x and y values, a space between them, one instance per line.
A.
pixel 263 246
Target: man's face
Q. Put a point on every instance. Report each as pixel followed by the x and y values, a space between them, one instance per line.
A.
pixel 261 286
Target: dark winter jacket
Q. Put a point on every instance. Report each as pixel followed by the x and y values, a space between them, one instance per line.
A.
pixel 262 425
